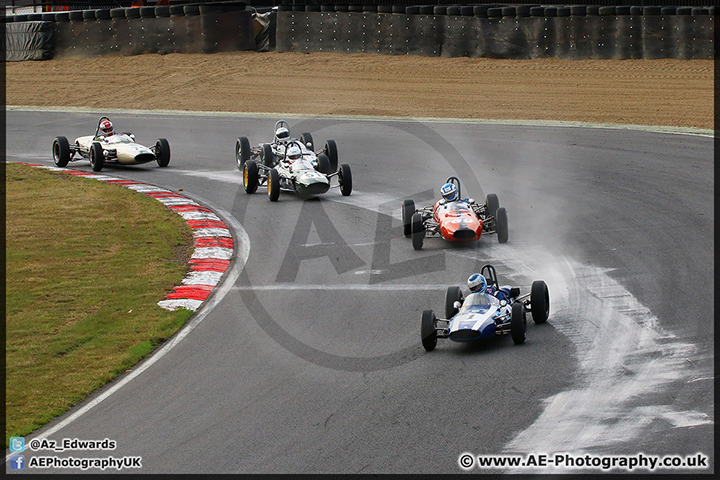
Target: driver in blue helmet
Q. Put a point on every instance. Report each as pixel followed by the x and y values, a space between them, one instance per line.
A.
pixel 478 284
pixel 449 193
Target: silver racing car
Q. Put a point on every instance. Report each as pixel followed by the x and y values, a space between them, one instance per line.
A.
pixel 288 164
pixel 107 146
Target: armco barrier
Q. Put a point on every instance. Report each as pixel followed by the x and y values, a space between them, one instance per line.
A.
pixel 538 32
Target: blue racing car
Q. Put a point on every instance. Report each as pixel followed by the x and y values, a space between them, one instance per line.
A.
pixel 488 311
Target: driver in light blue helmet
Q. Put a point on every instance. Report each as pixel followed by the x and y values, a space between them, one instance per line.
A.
pixel 449 193
pixel 478 284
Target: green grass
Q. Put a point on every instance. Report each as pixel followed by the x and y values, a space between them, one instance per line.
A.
pixel 87 263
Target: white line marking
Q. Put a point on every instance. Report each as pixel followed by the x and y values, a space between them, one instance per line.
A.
pixel 347 286
pixel 243 246
pixel 538 123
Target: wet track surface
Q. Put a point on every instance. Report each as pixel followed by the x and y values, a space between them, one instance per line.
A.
pixel 311 360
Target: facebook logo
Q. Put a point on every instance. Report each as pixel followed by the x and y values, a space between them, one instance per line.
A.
pixel 17 462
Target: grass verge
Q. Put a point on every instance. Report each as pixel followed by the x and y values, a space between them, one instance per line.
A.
pixel 86 265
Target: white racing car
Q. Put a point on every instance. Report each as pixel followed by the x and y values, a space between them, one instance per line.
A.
pixel 106 146
pixel 289 164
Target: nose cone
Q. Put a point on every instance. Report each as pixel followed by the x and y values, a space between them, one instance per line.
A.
pixel 144 157
pixel 313 184
pixel 464 234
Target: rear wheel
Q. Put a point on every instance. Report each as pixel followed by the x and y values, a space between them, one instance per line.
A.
pixel 417 230
pixel 332 153
pixel 518 323
pixel 452 295
pixel 61 151
pixel 273 185
pixel 539 301
pixel 307 140
pixel 97 159
pixel 345 179
pixel 242 151
pixel 267 156
pixel 428 334
pixel 408 209
pixel 492 203
pixel 162 155
pixel 323 165
pixel 250 176
pixel 501 225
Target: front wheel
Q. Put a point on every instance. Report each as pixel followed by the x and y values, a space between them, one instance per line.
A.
pixel 307 140
pixel 273 185
pixel 428 334
pixel 332 152
pixel 323 164
pixel 162 147
pixel 267 156
pixel 539 301
pixel 417 231
pixel 452 295
pixel 408 209
pixel 345 179
pixel 250 176
pixel 501 225
pixel 97 159
pixel 61 151
pixel 242 151
pixel 518 323
pixel 492 203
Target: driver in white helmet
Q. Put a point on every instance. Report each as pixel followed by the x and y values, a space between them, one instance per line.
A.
pixel 292 154
pixel 282 135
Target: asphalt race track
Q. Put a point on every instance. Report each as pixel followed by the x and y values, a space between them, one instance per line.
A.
pixel 311 360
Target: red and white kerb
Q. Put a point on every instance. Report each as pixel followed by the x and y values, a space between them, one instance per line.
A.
pixel 211 237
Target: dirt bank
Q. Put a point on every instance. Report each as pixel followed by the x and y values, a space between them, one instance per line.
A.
pixel 645 92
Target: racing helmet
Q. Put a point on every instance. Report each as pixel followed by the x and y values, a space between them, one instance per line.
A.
pixel 106 128
pixel 293 153
pixel 476 283
pixel 449 192
pixel 282 134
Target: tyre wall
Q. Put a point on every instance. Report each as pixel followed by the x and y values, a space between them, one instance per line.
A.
pixel 26 41
pixel 134 31
pixel 507 32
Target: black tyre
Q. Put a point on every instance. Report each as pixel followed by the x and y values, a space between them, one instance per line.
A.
pixel 428 334
pixel 408 209
pixel 452 295
pixel 307 140
pixel 163 152
pixel 273 185
pixel 492 203
pixel 345 179
pixel 250 176
pixel 501 225
pixel 242 151
pixel 417 230
pixel 323 165
pixel 539 301
pixel 332 152
pixel 518 323
pixel 267 156
pixel 61 151
pixel 97 159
